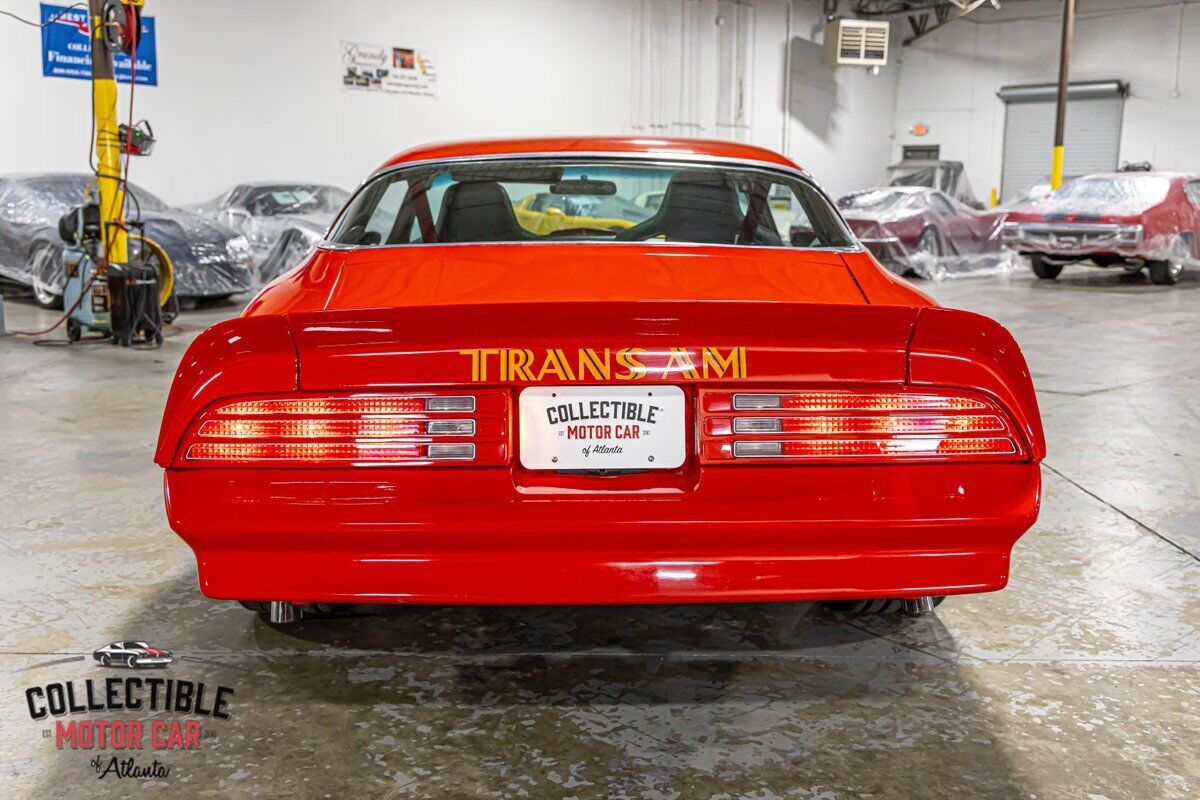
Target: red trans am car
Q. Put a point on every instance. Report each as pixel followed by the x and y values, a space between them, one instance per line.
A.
pixel 1133 220
pixel 442 406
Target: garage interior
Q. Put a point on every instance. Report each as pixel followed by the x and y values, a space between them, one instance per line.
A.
pixel 1081 679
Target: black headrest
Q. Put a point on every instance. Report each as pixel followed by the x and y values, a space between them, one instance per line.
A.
pixel 478 211
pixel 700 206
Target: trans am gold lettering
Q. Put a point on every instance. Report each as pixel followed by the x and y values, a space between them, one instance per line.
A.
pixel 716 365
pixel 599 368
pixel 515 364
pixel 680 362
pixel 556 364
pixel 635 370
pixel 518 362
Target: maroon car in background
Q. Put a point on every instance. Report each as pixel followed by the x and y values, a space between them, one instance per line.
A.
pixel 1134 220
pixel 921 231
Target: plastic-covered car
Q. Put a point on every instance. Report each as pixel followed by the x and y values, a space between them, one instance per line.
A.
pixel 443 406
pixel 209 260
pixel 1132 220
pixel 924 232
pixel 281 220
pixel 947 176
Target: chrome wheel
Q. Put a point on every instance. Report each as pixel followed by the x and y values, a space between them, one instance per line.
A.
pixel 1169 270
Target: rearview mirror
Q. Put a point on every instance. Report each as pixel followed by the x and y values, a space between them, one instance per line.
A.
pixel 583 186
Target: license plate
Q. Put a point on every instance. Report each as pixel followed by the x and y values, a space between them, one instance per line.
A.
pixel 602 427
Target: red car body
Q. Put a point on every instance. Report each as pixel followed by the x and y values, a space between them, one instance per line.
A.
pixel 1127 219
pixel 396 325
pixel 901 225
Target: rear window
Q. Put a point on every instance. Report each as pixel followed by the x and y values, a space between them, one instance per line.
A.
pixel 874 200
pixel 267 201
pixel 1110 193
pixel 537 200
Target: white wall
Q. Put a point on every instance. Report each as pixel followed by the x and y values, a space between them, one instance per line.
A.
pixel 840 120
pixel 251 90
pixel 949 79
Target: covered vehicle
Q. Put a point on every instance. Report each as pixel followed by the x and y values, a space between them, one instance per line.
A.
pixel 1131 220
pixel 281 220
pixel 924 232
pixel 946 176
pixel 443 406
pixel 208 260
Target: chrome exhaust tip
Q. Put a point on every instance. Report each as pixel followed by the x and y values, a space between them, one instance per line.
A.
pixel 917 606
pixel 283 612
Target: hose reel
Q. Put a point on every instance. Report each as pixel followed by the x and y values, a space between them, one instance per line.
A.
pixel 121 25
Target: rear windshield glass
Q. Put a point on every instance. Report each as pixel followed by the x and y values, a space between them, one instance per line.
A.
pixel 1134 190
pixel 532 200
pixel 874 200
pixel 267 201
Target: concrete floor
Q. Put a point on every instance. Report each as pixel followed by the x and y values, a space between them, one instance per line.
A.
pixel 1081 680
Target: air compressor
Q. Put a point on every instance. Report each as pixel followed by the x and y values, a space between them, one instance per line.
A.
pixel 121 300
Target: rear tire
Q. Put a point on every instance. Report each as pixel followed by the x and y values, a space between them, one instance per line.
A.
pixel 1044 269
pixel 1166 272
pixel 927 256
pixel 875 605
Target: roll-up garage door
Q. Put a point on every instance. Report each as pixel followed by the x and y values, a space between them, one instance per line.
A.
pixel 1093 134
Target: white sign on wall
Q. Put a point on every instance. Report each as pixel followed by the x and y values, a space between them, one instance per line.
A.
pixel 388 70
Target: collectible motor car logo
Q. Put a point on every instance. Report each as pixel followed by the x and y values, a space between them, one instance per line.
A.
pixel 605 364
pixel 126 716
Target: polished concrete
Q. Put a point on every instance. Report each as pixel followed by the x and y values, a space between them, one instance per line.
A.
pixel 1081 680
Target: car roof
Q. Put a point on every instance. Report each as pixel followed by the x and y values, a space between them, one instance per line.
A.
pixel 689 149
pixel 260 184
pixel 1184 176
pixel 902 189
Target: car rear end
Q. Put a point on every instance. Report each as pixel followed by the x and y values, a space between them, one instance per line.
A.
pixel 1031 234
pixel 602 453
pixel 1102 217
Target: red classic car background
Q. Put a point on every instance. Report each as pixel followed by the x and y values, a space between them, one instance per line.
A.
pixel 363 432
pixel 1133 220
pixel 926 232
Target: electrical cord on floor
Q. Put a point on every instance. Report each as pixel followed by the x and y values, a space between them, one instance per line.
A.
pixel 66 314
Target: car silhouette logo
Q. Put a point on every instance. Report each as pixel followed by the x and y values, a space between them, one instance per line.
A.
pixel 133 655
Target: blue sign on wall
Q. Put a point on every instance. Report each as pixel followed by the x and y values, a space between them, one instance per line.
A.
pixel 67 50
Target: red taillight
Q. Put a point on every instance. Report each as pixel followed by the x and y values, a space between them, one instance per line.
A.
pixel 753 427
pixel 410 429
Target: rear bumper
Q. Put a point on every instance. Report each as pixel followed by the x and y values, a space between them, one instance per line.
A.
pixel 1073 240
pixel 478 536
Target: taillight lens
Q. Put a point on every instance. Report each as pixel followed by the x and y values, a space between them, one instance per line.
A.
pixel 789 426
pixel 435 428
